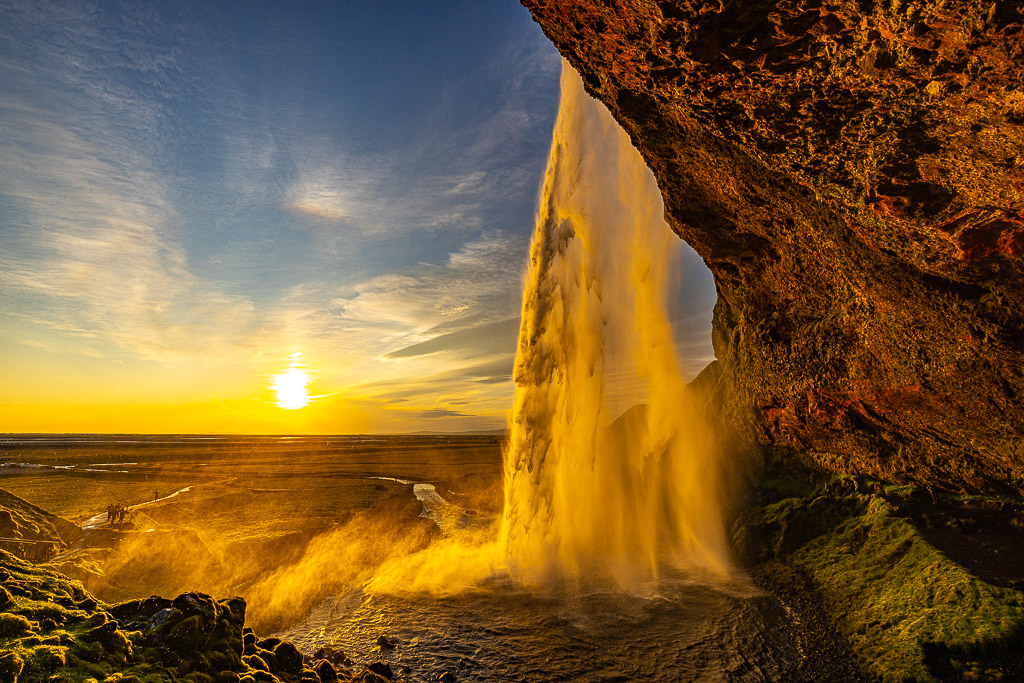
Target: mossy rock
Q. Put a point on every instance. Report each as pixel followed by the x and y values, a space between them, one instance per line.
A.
pixel 44 661
pixel 137 612
pixel 367 676
pixel 89 652
pixel 187 635
pixel 11 666
pixel 325 671
pixel 5 598
pixel 15 626
pixel 255 662
pixel 288 659
pixel 898 594
pixel 54 627
pixel 782 527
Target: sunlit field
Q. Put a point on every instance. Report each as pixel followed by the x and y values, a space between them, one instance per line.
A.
pixel 228 510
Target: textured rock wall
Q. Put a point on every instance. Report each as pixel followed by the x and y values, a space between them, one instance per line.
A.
pixel 852 172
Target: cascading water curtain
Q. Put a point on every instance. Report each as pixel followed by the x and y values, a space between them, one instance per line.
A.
pixel 591 499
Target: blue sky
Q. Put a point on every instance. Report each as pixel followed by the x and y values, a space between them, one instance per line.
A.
pixel 194 196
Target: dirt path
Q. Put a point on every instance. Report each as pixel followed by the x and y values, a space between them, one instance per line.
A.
pixel 100 519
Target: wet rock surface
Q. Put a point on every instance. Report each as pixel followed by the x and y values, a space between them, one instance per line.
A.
pixel 853 175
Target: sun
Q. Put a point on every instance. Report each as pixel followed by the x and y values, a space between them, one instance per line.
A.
pixel 290 386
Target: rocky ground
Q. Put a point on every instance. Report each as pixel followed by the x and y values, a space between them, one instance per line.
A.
pixel 51 629
pixel 30 531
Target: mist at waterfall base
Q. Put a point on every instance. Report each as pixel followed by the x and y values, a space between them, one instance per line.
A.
pixel 609 561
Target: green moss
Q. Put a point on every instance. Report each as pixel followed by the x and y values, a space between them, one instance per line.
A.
pixel 255 662
pixel 55 631
pixel 186 634
pixel 11 665
pixel 908 611
pixel 15 626
pixel 900 595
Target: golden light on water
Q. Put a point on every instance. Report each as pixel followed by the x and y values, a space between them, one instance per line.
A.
pixel 290 387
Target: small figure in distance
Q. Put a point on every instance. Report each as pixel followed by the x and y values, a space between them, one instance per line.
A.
pixel 110 514
pixel 156 496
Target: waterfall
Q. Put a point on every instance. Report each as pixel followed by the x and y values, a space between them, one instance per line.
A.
pixel 594 496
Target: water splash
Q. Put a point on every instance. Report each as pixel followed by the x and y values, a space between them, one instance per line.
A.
pixel 590 498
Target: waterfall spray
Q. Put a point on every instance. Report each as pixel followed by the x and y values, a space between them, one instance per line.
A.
pixel 591 499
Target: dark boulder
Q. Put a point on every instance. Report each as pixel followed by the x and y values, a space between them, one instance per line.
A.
pixel 255 662
pixel 336 657
pixel 326 671
pixel 134 613
pixel 381 669
pixel 289 659
pixel 269 657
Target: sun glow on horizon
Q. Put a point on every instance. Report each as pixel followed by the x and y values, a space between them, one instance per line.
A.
pixel 290 387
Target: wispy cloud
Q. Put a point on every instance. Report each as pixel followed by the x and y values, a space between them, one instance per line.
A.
pixel 467 184
pixel 478 283
pixel 487 339
pixel 423 331
pixel 372 196
pixel 90 238
pixel 342 189
pixel 440 412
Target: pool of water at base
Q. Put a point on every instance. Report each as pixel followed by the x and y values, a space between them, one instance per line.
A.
pixel 684 631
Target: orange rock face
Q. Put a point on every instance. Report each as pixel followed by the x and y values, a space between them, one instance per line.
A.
pixel 852 172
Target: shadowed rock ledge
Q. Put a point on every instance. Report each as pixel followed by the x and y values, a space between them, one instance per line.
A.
pixel 852 172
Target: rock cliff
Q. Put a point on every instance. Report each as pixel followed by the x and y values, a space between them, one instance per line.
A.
pixel 852 172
